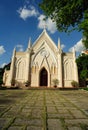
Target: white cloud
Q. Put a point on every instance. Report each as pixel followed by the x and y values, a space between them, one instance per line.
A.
pixel 79 47
pixel 2 50
pixel 42 22
pixel 51 26
pixel 20 47
pixel 62 46
pixel 1 66
pixel 27 12
pixel 30 11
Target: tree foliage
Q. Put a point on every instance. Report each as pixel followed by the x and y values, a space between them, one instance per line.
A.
pixel 68 13
pixel 84 27
pixel 82 63
pixel 7 67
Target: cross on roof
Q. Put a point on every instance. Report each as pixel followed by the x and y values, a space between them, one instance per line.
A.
pixel 45 26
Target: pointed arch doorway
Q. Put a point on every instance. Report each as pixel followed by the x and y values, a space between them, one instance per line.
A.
pixel 43 77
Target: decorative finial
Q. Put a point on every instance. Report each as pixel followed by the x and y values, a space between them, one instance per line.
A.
pixel 74 53
pixel 14 51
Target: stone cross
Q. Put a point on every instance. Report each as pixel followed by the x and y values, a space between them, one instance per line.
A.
pixel 45 26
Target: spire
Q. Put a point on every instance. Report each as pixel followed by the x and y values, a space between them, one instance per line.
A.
pixel 29 43
pixel 59 43
pixel 73 49
pixel 74 53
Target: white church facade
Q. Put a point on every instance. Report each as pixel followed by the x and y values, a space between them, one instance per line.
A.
pixel 41 63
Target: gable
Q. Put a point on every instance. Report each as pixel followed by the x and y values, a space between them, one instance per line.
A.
pixel 44 38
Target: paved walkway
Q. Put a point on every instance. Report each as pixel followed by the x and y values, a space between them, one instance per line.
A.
pixel 43 110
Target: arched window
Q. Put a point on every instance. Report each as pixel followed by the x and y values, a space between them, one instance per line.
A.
pixel 68 70
pixel 20 70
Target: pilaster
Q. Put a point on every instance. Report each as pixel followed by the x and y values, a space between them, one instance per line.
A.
pixel 75 66
pixel 28 61
pixel 60 73
pixel 12 68
pixel 27 66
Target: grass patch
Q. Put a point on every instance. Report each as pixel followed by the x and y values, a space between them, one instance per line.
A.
pixel 2 88
pixel 63 124
pixel 84 126
pixel 83 88
pixel 86 89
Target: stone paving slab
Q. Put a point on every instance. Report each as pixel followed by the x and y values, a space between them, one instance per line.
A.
pixel 16 128
pixel 74 128
pixel 4 122
pixel 34 128
pixel 43 110
pixel 54 124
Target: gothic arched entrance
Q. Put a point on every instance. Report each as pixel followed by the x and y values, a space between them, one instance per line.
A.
pixel 43 77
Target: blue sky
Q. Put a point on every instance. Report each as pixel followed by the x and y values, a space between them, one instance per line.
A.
pixel 22 19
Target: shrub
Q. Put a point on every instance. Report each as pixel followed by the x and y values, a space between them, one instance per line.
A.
pixel 27 83
pixel 74 84
pixel 55 82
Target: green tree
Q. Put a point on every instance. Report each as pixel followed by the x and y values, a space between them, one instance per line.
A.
pixel 84 74
pixel 7 67
pixel 84 27
pixel 68 13
pixel 82 63
pixel 1 76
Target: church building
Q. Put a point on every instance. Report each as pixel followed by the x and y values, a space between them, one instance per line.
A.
pixel 41 63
